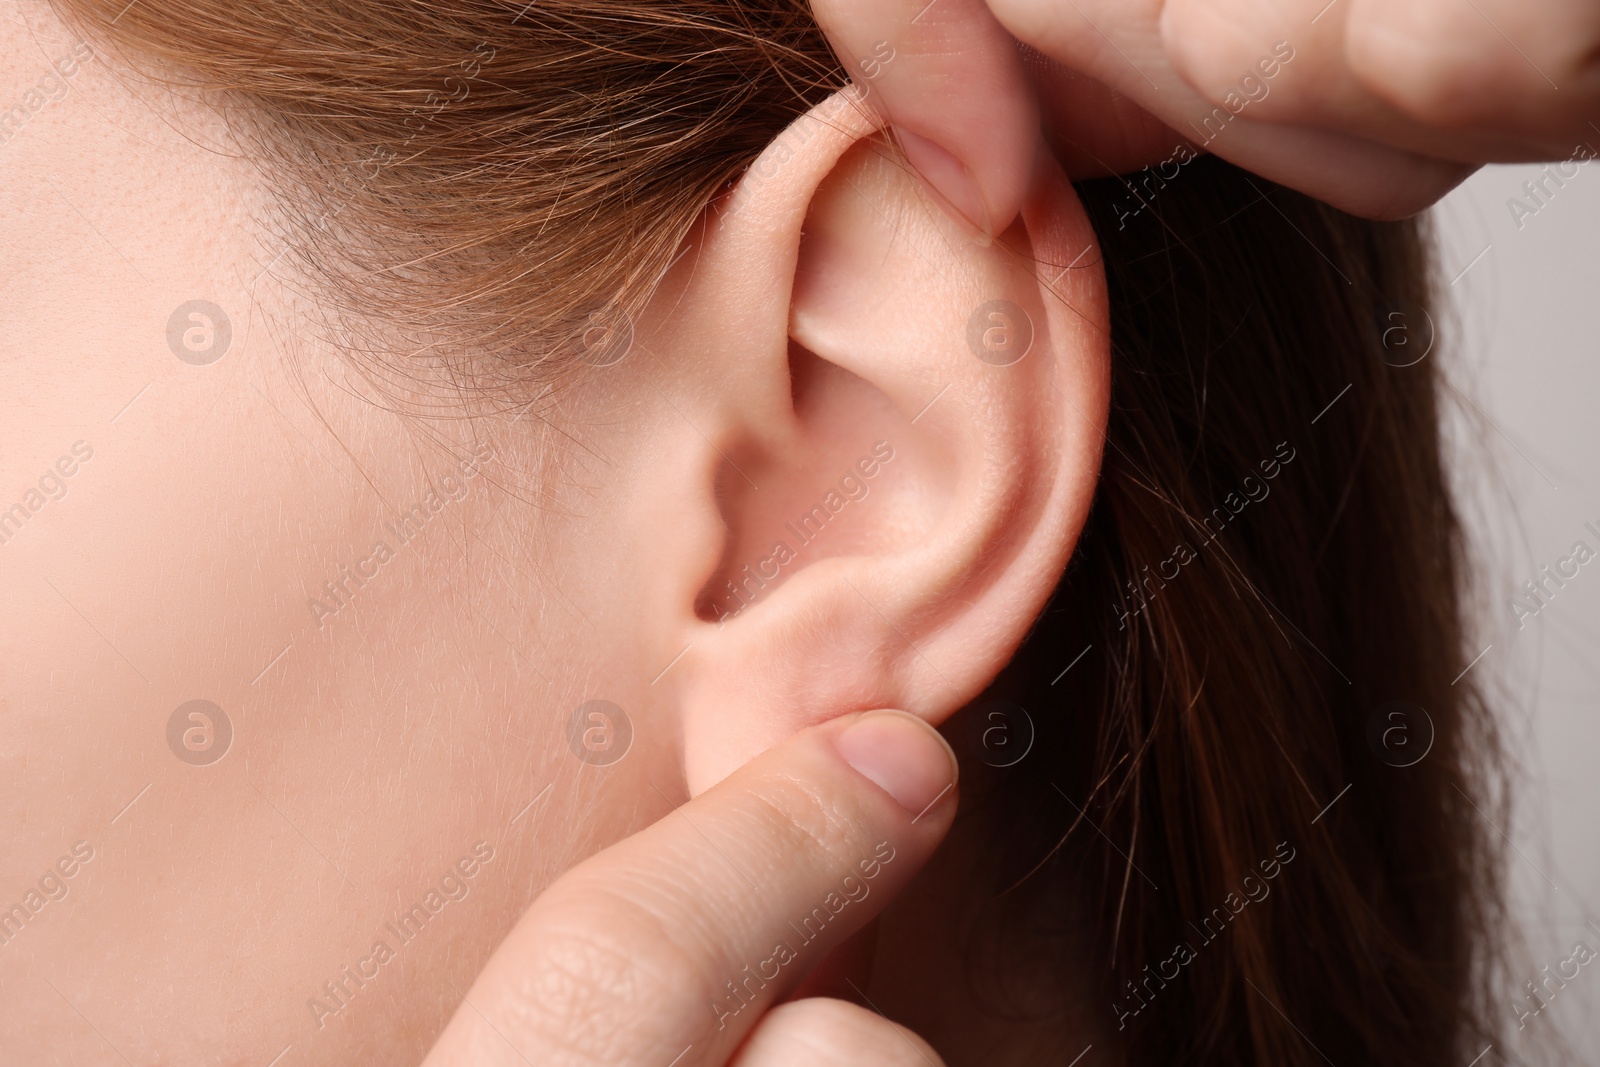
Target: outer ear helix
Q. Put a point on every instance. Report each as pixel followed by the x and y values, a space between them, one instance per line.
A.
pixel 862 404
pixel 843 118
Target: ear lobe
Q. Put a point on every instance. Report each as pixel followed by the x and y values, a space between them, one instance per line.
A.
pixel 899 485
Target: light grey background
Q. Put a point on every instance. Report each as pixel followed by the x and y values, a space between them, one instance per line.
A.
pixel 1520 337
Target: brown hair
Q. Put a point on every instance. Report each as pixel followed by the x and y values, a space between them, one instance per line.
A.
pixel 1272 565
pixel 492 171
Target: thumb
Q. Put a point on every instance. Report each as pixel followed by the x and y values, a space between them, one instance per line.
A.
pixel 668 946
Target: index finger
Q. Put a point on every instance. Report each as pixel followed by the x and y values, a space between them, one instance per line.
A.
pixel 667 947
pixel 951 83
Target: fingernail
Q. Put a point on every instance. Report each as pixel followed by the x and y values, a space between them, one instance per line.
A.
pixel 950 179
pixel 902 755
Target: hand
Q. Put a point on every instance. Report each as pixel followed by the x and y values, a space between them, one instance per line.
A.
pixel 1378 107
pixel 678 946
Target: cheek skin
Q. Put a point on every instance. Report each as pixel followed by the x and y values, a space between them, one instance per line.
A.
pixel 178 566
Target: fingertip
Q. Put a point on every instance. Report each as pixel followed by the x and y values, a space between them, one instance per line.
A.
pixel 902 755
pixel 950 178
pixel 987 197
pixel 950 81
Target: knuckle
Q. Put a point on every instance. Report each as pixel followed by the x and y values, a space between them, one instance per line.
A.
pixel 801 820
pixel 1411 77
pixel 1430 64
pixel 1202 43
pixel 823 1032
pixel 1237 55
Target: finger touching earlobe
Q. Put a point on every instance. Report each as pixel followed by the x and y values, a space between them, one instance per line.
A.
pixel 673 944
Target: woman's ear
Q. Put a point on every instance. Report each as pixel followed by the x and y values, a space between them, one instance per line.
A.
pixel 880 435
